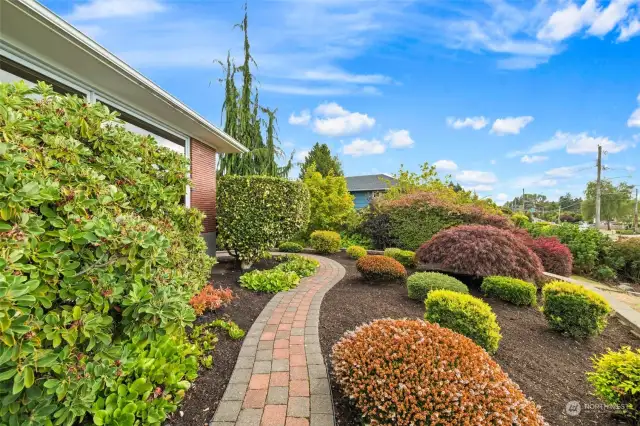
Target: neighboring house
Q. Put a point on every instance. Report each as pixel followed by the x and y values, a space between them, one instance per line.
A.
pixel 37 45
pixel 363 188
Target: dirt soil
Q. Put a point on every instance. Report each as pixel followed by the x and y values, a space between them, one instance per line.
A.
pixel 549 367
pixel 202 399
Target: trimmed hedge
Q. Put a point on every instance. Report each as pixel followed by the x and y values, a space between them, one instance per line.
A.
pixel 555 256
pixel 356 252
pixel 254 213
pixel 510 290
pixel 481 251
pixel 385 368
pixel 325 241
pixel 616 380
pixel 421 283
pixel 376 268
pixel 627 255
pixel 406 257
pixel 290 247
pixel 572 309
pixel 466 315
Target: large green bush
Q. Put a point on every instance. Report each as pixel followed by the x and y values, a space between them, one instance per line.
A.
pixel 511 290
pixel 626 253
pixel 255 213
pixel 98 261
pixel 466 315
pixel 325 241
pixel 421 283
pixel 331 203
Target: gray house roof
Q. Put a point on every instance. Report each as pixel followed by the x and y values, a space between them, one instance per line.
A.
pixel 377 182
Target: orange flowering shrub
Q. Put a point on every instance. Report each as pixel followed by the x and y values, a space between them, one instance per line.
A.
pixel 411 372
pixel 377 267
pixel 210 299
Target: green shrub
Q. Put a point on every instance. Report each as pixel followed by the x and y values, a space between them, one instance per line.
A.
pixel 331 203
pixel 270 280
pixel 380 268
pixel 301 265
pixel 98 262
pixel 325 241
pixel 356 252
pixel 604 274
pixel 572 309
pixel 290 247
pixel 254 213
pixel 405 257
pixel 627 254
pixel 590 248
pixel 511 290
pixel 616 380
pixel 466 315
pixel 421 283
pixel 520 220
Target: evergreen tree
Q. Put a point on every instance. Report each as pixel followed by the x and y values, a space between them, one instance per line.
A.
pixel 244 119
pixel 320 155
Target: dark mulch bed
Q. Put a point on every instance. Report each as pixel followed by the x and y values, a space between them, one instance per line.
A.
pixel 550 368
pixel 202 399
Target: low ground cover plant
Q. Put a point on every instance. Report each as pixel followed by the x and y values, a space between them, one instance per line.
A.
pixel 406 257
pixel 466 315
pixel 421 283
pixel 290 247
pixel 325 241
pixel 210 299
pixel 379 268
pixel 511 290
pixel 380 366
pixel 301 265
pixel 555 256
pixel 356 252
pixel 574 310
pixel 481 251
pixel 269 280
pixel 616 380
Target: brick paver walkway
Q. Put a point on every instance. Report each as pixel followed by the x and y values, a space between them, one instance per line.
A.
pixel 280 378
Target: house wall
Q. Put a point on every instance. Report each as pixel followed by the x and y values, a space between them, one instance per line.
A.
pixel 203 189
pixel 361 198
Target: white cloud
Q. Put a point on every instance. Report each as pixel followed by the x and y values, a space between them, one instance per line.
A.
pixel 494 162
pixel 301 155
pixel 304 91
pixel 476 177
pixel 634 120
pixel 510 125
pixel 445 166
pixel 399 139
pixel 568 171
pixel 521 62
pixel 533 159
pixel 500 198
pixel 102 9
pixel 360 147
pixel 300 120
pixel 630 30
pixel 532 182
pixel 339 121
pixel 566 22
pixel 476 123
pixel 344 77
pixel 547 182
pixel 574 143
pixel 479 188
pixel 608 18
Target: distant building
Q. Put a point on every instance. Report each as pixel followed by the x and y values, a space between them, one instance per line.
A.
pixel 363 188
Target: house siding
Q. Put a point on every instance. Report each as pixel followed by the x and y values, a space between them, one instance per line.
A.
pixel 203 189
pixel 361 198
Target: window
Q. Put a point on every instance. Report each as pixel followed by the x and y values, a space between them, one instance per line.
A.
pixel 11 71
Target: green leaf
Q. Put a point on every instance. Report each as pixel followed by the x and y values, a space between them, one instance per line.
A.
pixel 99 417
pixel 7 374
pixel 77 312
pixel 18 383
pixel 28 376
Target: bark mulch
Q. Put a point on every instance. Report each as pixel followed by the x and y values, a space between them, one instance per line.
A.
pixel 550 368
pixel 202 399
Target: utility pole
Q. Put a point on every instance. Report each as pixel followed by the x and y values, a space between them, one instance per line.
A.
pixel 559 208
pixel 599 165
pixel 522 200
pixel 635 214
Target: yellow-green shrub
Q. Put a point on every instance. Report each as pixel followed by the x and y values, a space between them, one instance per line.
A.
pixel 466 315
pixel 572 309
pixel 406 257
pixel 421 283
pixel 325 241
pixel 356 252
pixel 290 247
pixel 511 290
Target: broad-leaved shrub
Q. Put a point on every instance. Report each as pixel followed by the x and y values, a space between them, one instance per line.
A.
pixel 421 283
pixel 290 247
pixel 325 241
pixel 380 268
pixel 555 256
pixel 481 251
pixel 510 290
pixel 303 266
pixel 406 257
pixel 210 299
pixel 573 309
pixel 411 372
pixel 254 213
pixel 626 253
pixel 466 315
pixel 356 252
pixel 270 280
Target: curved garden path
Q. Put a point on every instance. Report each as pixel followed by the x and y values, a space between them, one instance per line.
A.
pixel 280 377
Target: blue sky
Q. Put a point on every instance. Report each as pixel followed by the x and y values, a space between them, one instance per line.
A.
pixel 501 95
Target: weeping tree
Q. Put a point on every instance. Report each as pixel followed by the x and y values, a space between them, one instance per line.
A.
pixel 250 123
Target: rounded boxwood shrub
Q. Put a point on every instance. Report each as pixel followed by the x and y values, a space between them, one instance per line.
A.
pixel 573 309
pixel 290 247
pixel 616 380
pixel 510 290
pixel 381 367
pixel 482 251
pixel 325 241
pixel 376 267
pixel 254 213
pixel 356 252
pixel 421 283
pixel 555 256
pixel 100 259
pixel 626 252
pixel 406 257
pixel 466 315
